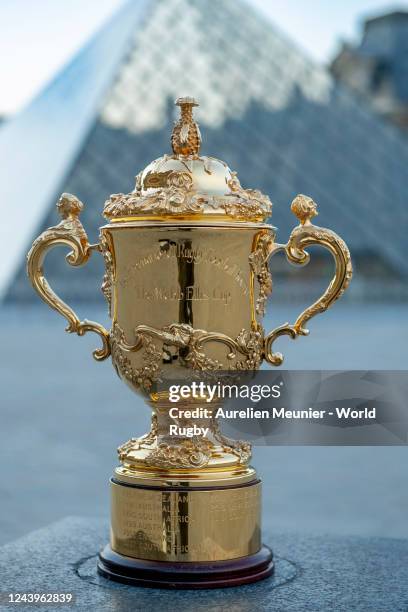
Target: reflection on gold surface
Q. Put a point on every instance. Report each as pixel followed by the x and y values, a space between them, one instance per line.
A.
pixel 186 525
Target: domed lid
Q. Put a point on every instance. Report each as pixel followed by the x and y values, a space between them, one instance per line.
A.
pixel 187 186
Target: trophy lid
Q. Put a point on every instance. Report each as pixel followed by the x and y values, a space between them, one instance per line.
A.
pixel 187 186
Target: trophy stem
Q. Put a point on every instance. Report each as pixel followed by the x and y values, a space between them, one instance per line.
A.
pixel 186 437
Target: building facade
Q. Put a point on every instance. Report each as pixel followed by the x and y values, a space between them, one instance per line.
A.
pixel 377 68
pixel 276 118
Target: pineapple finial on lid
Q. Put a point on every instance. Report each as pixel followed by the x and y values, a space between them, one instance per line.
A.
pixel 186 137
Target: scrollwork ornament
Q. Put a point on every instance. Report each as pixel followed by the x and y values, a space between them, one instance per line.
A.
pixel 145 442
pixel 240 448
pixel 304 235
pixel 69 232
pixel 258 261
pixel 247 203
pixel 248 344
pixel 107 282
pixel 194 453
pixel 179 197
pixel 145 376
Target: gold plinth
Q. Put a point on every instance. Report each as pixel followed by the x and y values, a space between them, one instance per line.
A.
pixel 186 523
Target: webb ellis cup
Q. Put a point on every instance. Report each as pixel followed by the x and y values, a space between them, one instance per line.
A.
pixel 186 280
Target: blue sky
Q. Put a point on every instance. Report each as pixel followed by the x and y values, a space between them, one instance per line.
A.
pixel 38 37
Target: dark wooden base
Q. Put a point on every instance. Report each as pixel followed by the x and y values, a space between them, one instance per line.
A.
pixel 193 575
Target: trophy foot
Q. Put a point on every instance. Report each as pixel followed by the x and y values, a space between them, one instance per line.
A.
pixel 160 450
pixel 190 575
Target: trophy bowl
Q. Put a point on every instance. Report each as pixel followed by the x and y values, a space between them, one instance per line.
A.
pixel 186 280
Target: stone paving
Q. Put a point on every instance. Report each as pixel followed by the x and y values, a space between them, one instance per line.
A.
pixel 62 416
pixel 312 573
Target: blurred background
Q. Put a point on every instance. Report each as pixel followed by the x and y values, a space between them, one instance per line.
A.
pixel 297 98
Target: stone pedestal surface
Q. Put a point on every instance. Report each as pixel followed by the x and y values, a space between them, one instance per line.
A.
pixel 313 573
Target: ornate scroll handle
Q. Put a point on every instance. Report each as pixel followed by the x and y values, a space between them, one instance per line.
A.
pixel 68 232
pixel 304 235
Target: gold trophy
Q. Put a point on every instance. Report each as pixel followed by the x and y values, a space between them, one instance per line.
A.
pixel 186 280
